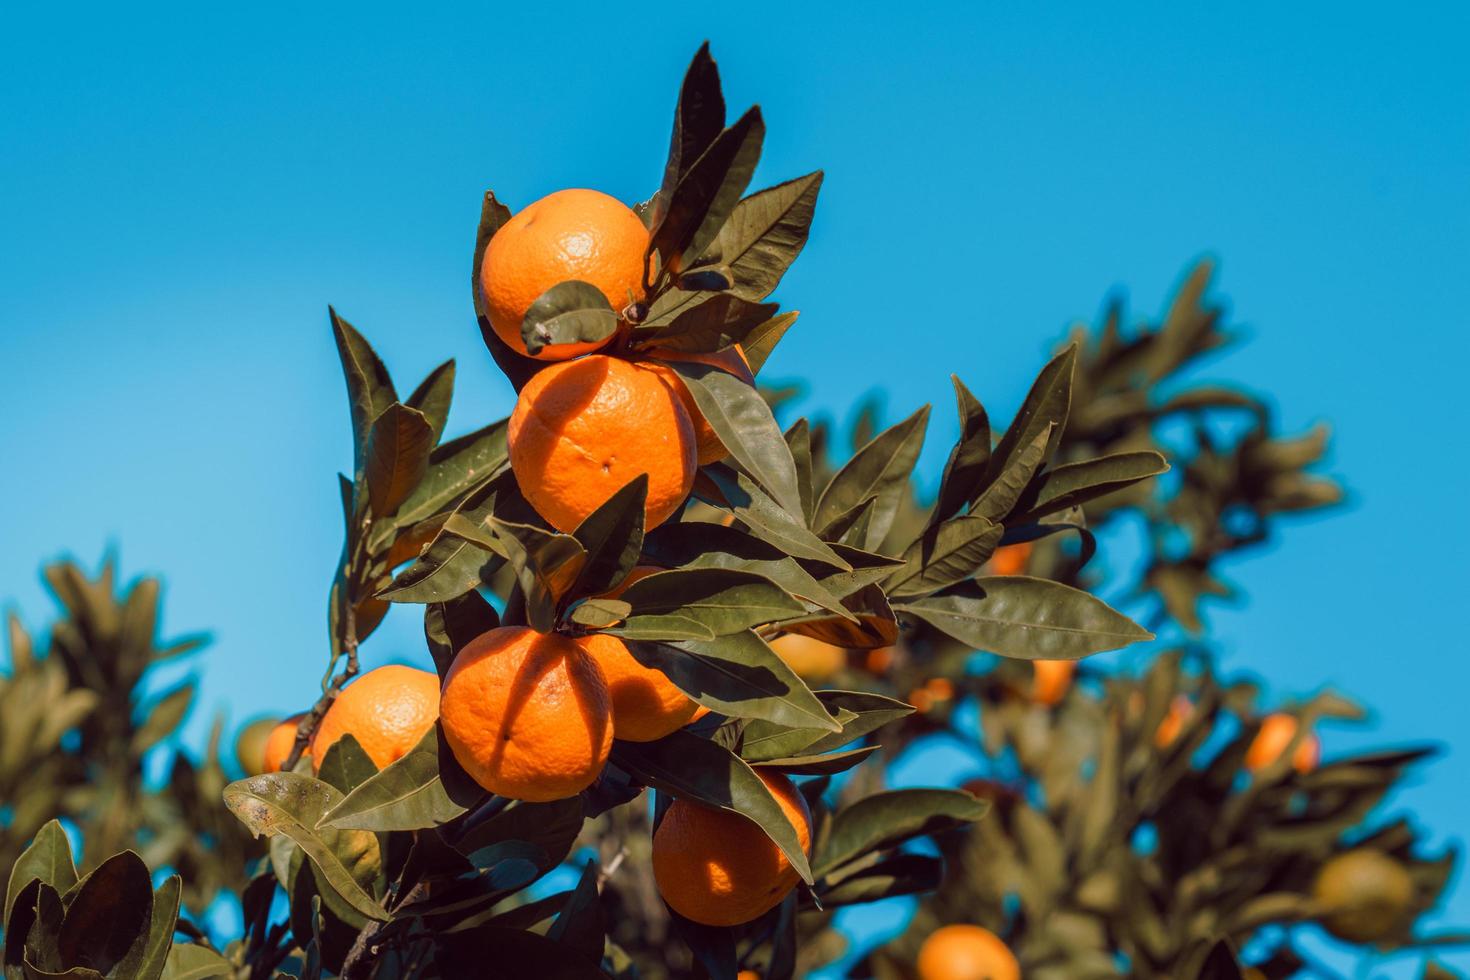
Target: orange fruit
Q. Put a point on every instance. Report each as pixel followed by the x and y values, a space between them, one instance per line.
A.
pixel 921 699
pixel 731 360
pixel 584 429
pixel 1364 895
pixel 811 659
pixel 645 703
pixel 877 660
pixel 1051 680
pixel 941 688
pixel 527 714
pixel 1173 723
pixel 717 867
pixel 571 234
pixel 387 710
pixel 965 952
pixel 747 975
pixel 280 742
pixel 1011 559
pixel 1276 732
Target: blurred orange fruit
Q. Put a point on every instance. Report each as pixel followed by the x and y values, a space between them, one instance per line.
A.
pixel 387 710
pixel 719 868
pixel 280 742
pixel 1051 680
pixel 1180 710
pixel 1276 733
pixel 1011 559
pixel 1365 895
pixel 584 429
pixel 527 714
pixel 966 952
pixel 811 659
pixel 571 234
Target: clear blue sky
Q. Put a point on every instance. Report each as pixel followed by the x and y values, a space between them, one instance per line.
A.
pixel 182 191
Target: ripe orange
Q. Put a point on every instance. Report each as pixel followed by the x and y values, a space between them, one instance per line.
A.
pixel 748 975
pixel 731 360
pixel 1011 560
pixel 811 659
pixel 645 703
pixel 387 710
pixel 1051 680
pixel 571 234
pixel 718 868
pixel 584 429
pixel 280 742
pixel 965 952
pixel 1173 723
pixel 877 660
pixel 527 714
pixel 1364 895
pixel 1276 732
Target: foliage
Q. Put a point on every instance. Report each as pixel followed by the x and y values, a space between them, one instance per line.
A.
pixel 415 871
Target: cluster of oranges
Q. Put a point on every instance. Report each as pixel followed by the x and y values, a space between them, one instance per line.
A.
pixel 587 425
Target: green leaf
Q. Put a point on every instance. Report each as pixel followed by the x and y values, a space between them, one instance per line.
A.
pixel 612 538
pixel 601 613
pixel 828 764
pixel 968 459
pixel 432 398
pixel 369 389
pixel 765 233
pixel 1027 618
pixel 108 917
pixel 346 765
pixel 1047 403
pixel 186 961
pixel 943 555
pixel 721 322
pixel 699 117
pixel 1220 963
pixel 455 468
pixel 799 439
pixel 452 565
pixel 293 804
pixel 858 712
pixel 48 857
pixel 1076 483
pixel 547 563
pixel 448 626
pixel 736 675
pixel 746 427
pixel 691 767
pixel 165 716
pixel 580 926
pixel 493 216
pixel 997 499
pixel 707 192
pixel 766 519
pixel 553 827
pixel 880 469
pixel 900 874
pixel 761 341
pixel 723 600
pixel 515 954
pixel 570 312
pixel 397 456
pixel 407 795
pixel 885 820
pixel 161 928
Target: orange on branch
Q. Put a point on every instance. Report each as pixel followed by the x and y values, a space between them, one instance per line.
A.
pixel 1180 710
pixel 1011 559
pixel 280 742
pixel 1051 680
pixel 572 234
pixel 387 710
pixel 584 429
pixel 809 658
pixel 732 361
pixel 1365 895
pixel 646 705
pixel 1276 733
pixel 527 714
pixel 966 952
pixel 717 867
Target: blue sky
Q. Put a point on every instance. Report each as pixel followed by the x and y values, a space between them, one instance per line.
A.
pixel 184 190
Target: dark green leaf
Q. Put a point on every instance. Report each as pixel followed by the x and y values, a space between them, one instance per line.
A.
pixel 547 563
pixel 612 538
pixel 1027 618
pixel 432 397
pixel 455 468
pixel 799 439
pixel 161 928
pixel 108 918
pixel 407 795
pixel 570 312
pixel 858 712
pixel 553 827
pixel 738 676
pixel 761 341
pixel 901 874
pixel 723 600
pixel 1076 483
pixel 691 767
pixel 997 499
pixel 744 423
pixel 48 857
pixel 187 961
pixel 819 765
pixel 721 322
pixel 294 804
pixel 346 765
pixel 515 954
pixel 397 456
pixel 969 458
pixel 448 626
pixel 765 234
pixel 945 554
pixel 369 389
pixel 1220 963
pixel 880 469
pixel 1047 403
pixel 699 117
pixel 766 519
pixel 580 927
pixel 885 820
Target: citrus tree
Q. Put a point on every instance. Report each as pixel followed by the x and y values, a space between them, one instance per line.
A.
pixel 619 583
